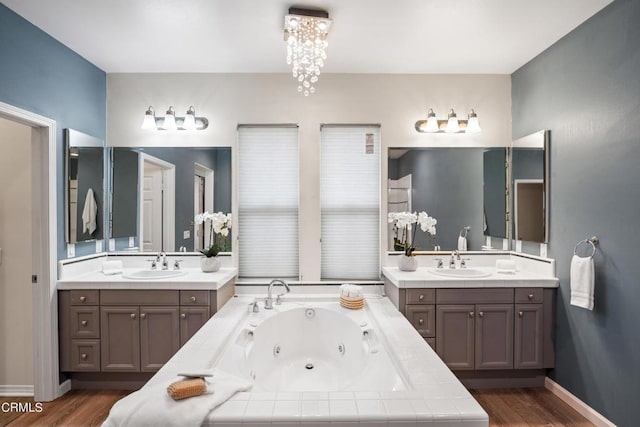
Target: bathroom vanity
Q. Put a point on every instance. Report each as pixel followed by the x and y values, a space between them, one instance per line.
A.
pixel 117 331
pixel 491 329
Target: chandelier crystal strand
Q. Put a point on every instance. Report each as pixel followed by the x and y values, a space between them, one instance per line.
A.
pixel 306 50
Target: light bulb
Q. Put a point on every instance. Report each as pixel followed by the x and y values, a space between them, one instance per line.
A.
pixel 170 120
pixel 452 123
pixel 149 121
pixel 473 125
pixel 432 122
pixel 190 119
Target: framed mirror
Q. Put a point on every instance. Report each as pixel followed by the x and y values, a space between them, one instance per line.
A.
pixel 84 189
pixel 529 187
pixel 448 184
pixel 157 191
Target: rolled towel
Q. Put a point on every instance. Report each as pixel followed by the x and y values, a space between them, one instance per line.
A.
pixel 187 388
pixel 507 266
pixel 348 290
pixel 112 267
pixel 582 275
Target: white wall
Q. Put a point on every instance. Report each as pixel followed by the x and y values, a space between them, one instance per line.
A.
pixel 393 101
pixel 16 303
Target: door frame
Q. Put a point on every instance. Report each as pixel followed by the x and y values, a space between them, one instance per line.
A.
pixel 168 200
pixel 515 199
pixel 208 175
pixel 47 385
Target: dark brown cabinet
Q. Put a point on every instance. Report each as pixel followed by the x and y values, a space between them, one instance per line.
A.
pixel 159 336
pixel 120 339
pixel 494 336
pixel 528 348
pixel 191 319
pixel 423 318
pixel 455 335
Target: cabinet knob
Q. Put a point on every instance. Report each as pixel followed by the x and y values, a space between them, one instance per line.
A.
pixel 420 321
pixel 480 314
pixel 471 314
pixel 183 316
pixel 84 356
pixel 530 296
pixel 133 315
pixel 143 316
pixel 83 323
pixel 193 299
pixel 421 297
pixel 520 313
pixel 83 298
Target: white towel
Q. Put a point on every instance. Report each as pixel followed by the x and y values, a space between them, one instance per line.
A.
pixel 89 213
pixel 152 406
pixel 462 243
pixel 111 267
pixel 582 282
pixel 505 266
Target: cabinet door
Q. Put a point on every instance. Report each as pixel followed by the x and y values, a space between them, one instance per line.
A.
pixel 454 336
pixel 191 319
pixel 120 339
pixel 494 336
pixel 528 336
pixel 159 336
pixel 423 318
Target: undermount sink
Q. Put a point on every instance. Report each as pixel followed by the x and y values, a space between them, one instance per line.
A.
pixel 460 272
pixel 153 274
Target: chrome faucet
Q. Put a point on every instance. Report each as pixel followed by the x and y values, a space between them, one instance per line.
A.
pixel 163 256
pixel 268 302
pixel 455 255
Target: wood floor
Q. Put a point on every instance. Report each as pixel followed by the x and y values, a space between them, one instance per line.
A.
pixel 509 407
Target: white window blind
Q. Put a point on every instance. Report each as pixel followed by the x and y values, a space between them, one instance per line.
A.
pixel 350 202
pixel 268 201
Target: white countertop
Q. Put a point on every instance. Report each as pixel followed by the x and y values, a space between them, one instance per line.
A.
pixel 423 277
pixel 193 279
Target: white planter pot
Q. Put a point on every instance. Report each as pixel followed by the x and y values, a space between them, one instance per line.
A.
pixel 407 263
pixel 210 264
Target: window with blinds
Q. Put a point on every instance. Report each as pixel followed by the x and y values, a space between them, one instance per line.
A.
pixel 268 201
pixel 350 202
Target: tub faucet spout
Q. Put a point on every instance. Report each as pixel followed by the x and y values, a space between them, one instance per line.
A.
pixel 268 302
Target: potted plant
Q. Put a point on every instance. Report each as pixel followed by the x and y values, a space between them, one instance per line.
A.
pixel 402 223
pixel 219 226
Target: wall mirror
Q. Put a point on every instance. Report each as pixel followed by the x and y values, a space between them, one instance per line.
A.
pixel 84 189
pixel 494 194
pixel 157 191
pixel 529 184
pixel 448 184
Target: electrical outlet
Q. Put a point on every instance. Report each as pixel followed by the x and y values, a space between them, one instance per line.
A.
pixel 99 246
pixel 518 245
pixel 505 244
pixel 71 250
pixel 112 244
pixel 132 241
pixel 187 234
pixel 543 250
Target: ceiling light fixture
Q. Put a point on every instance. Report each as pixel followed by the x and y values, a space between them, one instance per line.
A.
pixel 451 125
pixel 305 32
pixel 171 122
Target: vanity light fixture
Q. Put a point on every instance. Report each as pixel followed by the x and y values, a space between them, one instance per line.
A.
pixel 171 122
pixel 451 125
pixel 305 32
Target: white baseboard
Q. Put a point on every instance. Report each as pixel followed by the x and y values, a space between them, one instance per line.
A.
pixel 582 408
pixel 16 390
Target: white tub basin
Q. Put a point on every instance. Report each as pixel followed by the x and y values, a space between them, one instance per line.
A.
pixel 460 272
pixel 153 274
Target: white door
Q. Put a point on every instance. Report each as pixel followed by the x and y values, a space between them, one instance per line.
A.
pixel 16 262
pixel 152 208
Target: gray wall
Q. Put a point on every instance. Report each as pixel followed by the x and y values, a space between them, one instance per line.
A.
pixel 41 75
pixel 494 183
pixel 447 184
pixel 586 90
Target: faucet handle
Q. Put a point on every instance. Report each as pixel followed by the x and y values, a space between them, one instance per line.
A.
pixel 153 263
pixel 440 263
pixel 176 264
pixel 463 262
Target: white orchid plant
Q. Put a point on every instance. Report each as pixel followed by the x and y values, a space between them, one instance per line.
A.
pixel 402 223
pixel 219 225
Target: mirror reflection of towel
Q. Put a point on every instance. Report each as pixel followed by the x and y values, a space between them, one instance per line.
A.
pixel 89 213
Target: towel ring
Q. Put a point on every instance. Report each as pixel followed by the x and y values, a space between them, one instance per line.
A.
pixel 592 241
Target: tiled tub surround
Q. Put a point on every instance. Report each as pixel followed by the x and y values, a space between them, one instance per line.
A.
pixel 424 393
pixel 492 331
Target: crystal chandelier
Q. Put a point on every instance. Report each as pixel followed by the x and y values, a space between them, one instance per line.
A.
pixel 305 32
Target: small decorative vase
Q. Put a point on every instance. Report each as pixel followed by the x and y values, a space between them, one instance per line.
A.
pixel 407 263
pixel 210 264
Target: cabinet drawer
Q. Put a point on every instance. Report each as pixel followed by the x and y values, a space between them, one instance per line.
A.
pixel 194 297
pixel 423 318
pixel 532 295
pixel 421 296
pixel 474 296
pixel 85 322
pixel 137 297
pixel 84 297
pixel 85 355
